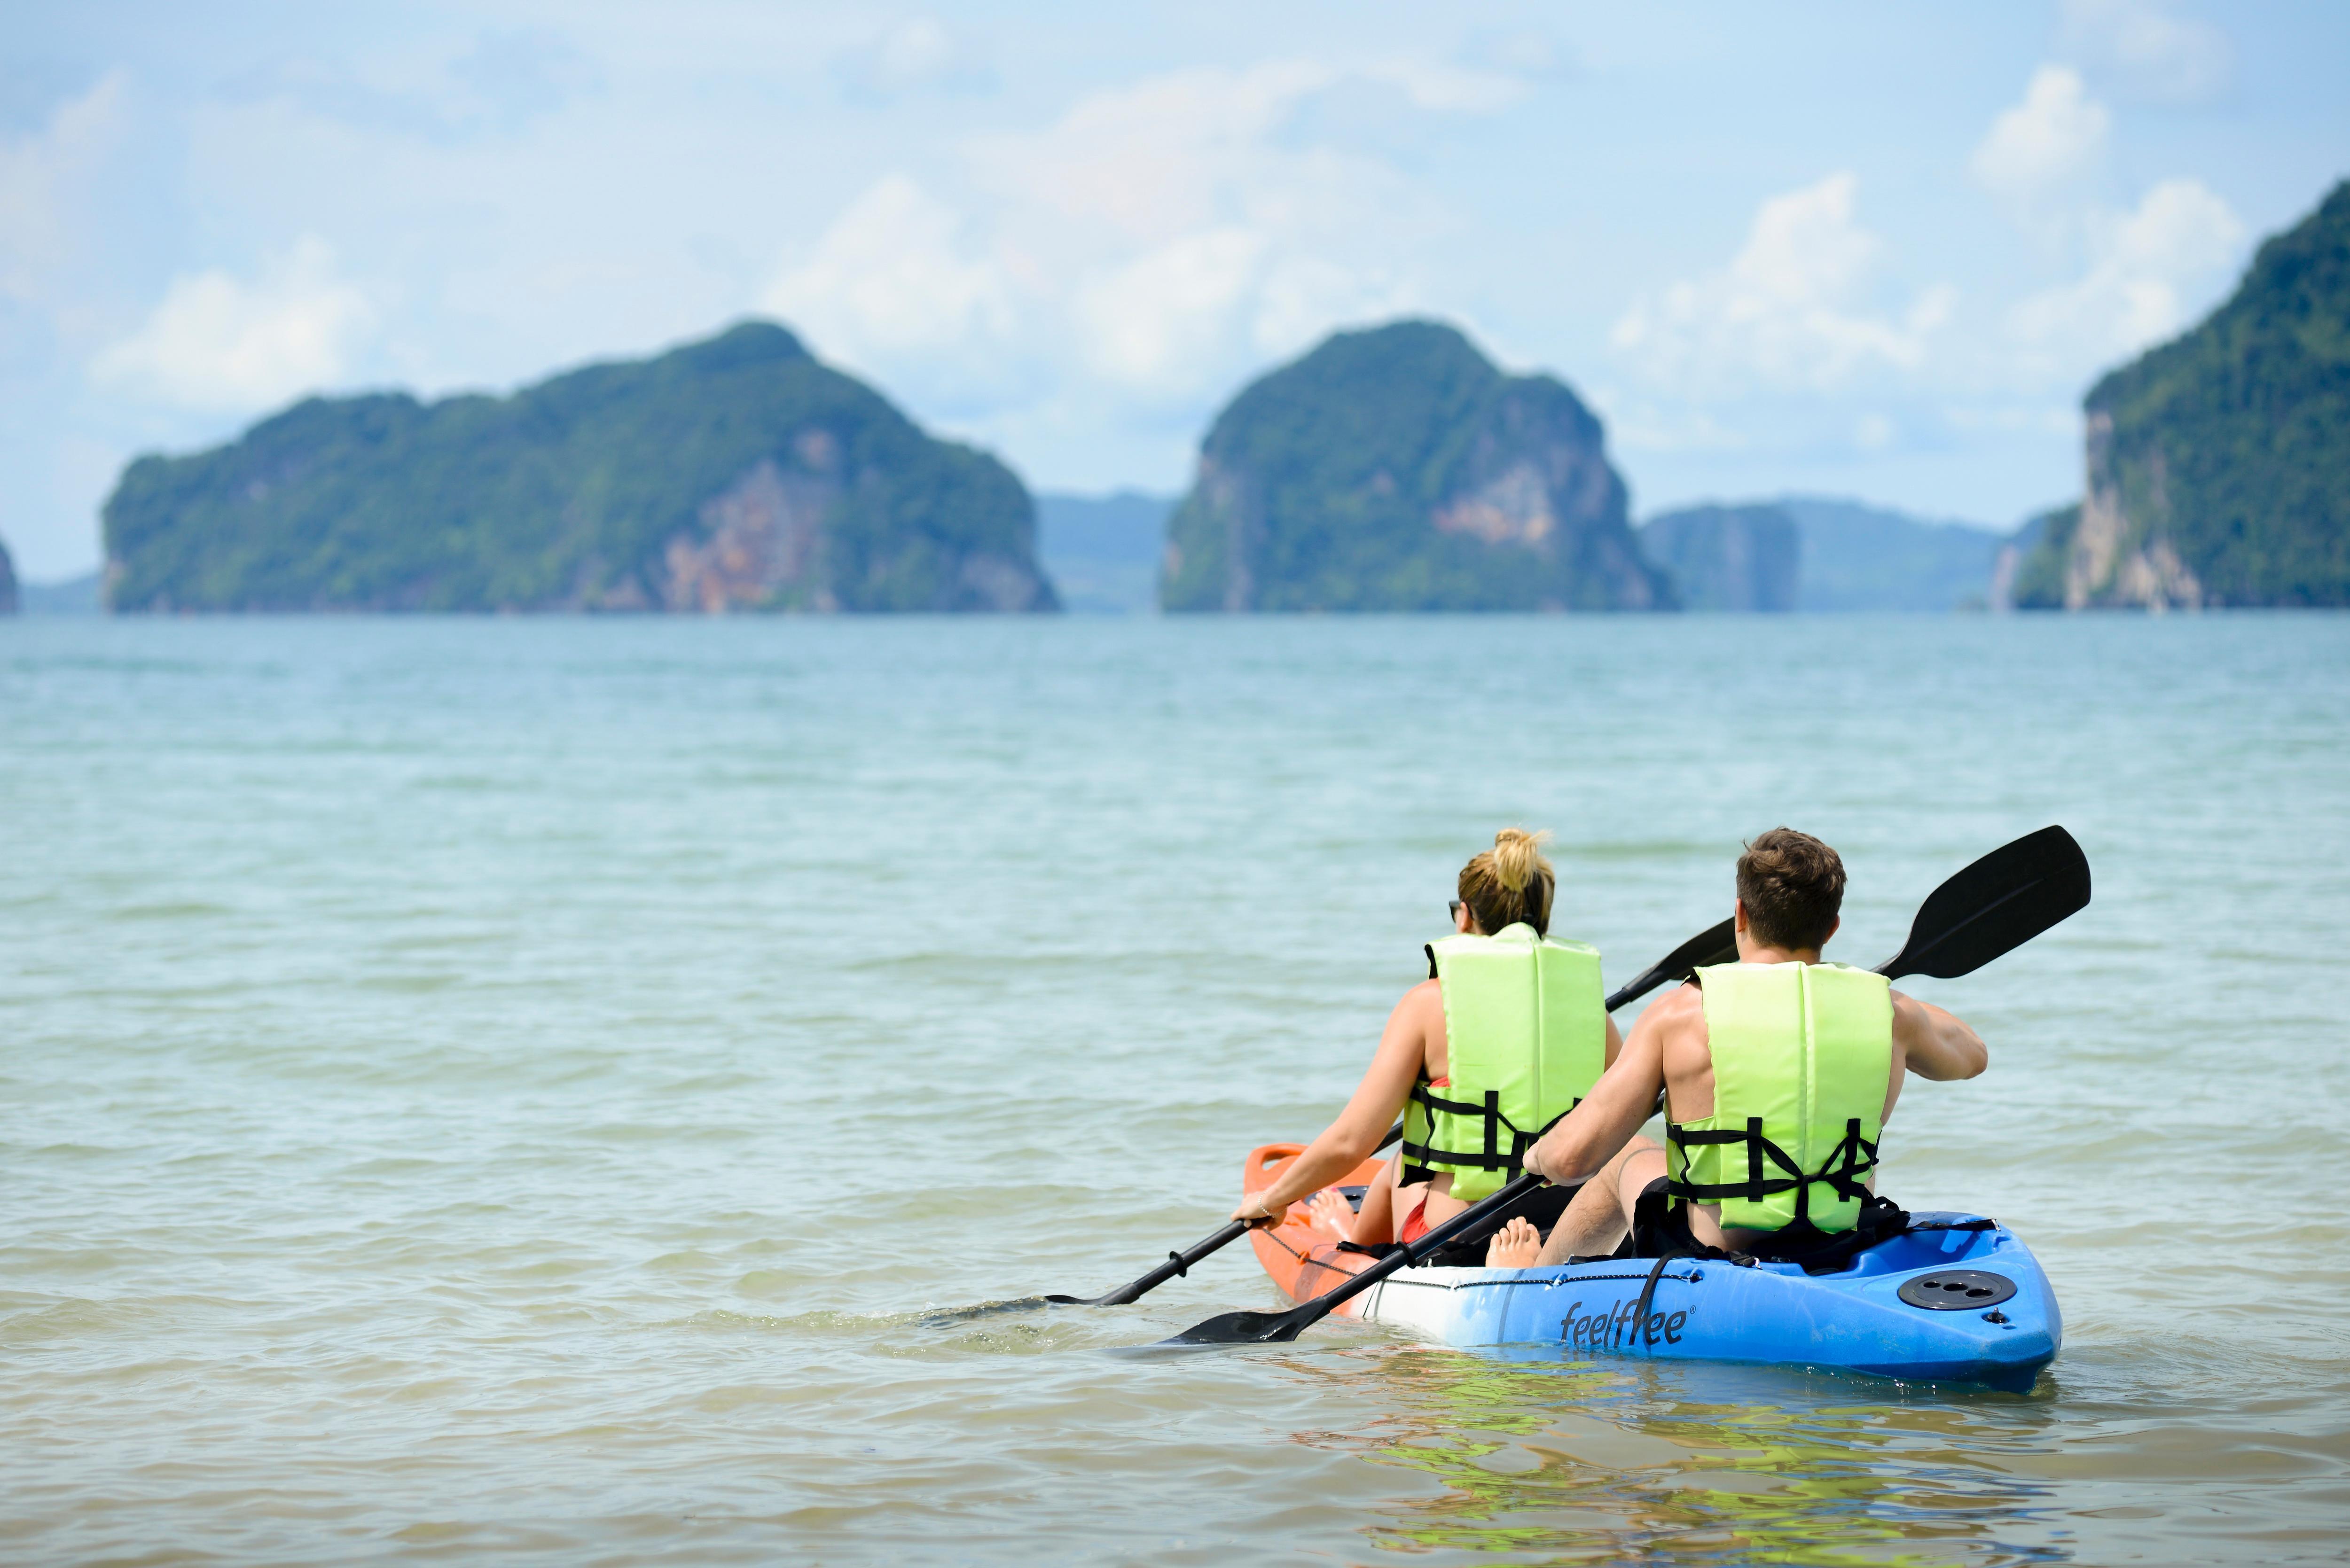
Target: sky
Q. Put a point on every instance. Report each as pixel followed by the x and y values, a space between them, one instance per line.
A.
pixel 1840 248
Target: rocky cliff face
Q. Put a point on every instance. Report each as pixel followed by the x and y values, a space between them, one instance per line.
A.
pixel 2115 558
pixel 1396 468
pixel 1729 557
pixel 2218 464
pixel 737 474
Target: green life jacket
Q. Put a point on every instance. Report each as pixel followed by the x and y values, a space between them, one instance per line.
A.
pixel 1526 1036
pixel 1801 1055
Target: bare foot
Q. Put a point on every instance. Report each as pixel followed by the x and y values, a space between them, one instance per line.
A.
pixel 1514 1245
pixel 1329 1212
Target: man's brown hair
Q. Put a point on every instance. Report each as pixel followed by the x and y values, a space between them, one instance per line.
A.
pixel 1793 887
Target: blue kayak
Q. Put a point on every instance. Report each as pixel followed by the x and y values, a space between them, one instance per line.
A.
pixel 1971 1305
pixel 1956 1298
pixel 1935 1304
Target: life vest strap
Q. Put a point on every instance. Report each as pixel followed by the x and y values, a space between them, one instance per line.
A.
pixel 1853 1157
pixel 1419 1157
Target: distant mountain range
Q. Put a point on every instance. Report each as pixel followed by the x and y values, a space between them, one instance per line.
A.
pixel 1816 553
pixel 1728 557
pixel 1805 552
pixel 1393 468
pixel 734 473
pixel 1862 557
pixel 1103 552
pixel 74 596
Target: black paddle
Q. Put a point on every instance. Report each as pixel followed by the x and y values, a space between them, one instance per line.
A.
pixel 1716 944
pixel 1997 904
pixel 1175 1265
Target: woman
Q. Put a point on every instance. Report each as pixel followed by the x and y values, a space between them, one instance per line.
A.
pixel 1508 1032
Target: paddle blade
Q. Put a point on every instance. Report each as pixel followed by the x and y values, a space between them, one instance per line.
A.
pixel 990 1309
pixel 1246 1328
pixel 1997 904
pixel 1717 945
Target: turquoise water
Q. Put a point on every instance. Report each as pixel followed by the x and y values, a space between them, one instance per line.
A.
pixel 517 1090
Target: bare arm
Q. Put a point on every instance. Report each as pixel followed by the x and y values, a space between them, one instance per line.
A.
pixel 1625 1096
pixel 1351 1139
pixel 1933 1042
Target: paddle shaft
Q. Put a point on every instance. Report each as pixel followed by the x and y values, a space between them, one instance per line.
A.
pixel 2004 900
pixel 1178 1263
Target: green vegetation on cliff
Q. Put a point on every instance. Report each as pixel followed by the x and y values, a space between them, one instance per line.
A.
pixel 2219 463
pixel 2035 579
pixel 736 473
pixel 1396 468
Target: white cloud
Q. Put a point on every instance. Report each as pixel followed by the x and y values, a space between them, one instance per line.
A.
pixel 1170 155
pixel 1445 88
pixel 42 177
pixel 2045 144
pixel 1144 251
pixel 217 343
pixel 1875 432
pixel 894 277
pixel 2145 265
pixel 2132 272
pixel 915 53
pixel 1793 309
pixel 2148 52
pixel 1300 298
pixel 1523 53
pixel 1172 324
pixel 1155 320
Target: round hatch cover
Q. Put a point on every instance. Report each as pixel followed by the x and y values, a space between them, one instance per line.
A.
pixel 1955 1290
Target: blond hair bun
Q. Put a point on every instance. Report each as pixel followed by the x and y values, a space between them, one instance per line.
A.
pixel 1510 882
pixel 1517 856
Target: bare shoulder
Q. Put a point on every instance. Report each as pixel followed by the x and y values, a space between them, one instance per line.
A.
pixel 1674 1024
pixel 1934 1043
pixel 1682 1058
pixel 1909 1015
pixel 1680 1006
pixel 1422 1008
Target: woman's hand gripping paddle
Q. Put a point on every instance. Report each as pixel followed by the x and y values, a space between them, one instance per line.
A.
pixel 1997 904
pixel 1177 1263
pixel 1714 945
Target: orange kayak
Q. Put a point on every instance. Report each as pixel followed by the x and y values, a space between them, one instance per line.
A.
pixel 1303 1261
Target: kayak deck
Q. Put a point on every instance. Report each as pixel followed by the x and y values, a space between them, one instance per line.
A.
pixel 1936 1305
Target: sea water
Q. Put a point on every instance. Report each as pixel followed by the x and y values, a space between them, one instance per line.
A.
pixel 524 1090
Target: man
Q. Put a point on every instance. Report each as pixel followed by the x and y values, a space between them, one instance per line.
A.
pixel 1779 1073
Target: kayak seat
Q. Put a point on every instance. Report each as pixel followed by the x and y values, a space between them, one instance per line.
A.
pixel 1934 1242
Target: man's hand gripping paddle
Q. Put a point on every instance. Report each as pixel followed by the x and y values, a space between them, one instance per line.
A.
pixel 1714 945
pixel 1997 904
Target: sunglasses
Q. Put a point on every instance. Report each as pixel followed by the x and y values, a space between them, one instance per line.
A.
pixel 1452 907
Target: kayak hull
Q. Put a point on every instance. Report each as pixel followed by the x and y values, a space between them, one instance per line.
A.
pixel 1856 1320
